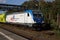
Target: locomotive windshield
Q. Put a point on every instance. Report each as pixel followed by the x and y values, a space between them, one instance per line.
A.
pixel 37 14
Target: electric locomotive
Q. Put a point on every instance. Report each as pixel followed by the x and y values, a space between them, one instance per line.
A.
pixel 31 18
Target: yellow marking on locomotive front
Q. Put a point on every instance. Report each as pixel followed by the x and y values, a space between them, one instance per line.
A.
pixel 2 17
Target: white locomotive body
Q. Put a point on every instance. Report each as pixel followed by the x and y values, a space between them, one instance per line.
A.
pixel 28 18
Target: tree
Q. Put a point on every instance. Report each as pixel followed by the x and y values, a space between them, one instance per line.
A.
pixel 46 9
pixel 31 4
pixel 57 4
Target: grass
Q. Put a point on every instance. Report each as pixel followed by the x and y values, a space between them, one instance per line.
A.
pixel 57 32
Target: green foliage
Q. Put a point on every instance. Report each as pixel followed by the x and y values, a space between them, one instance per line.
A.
pixel 46 9
pixel 31 4
pixel 53 24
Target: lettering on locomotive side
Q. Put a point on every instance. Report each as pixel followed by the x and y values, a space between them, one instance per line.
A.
pixel 13 18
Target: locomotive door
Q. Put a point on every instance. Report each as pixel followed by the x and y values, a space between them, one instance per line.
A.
pixel 22 16
pixel 26 19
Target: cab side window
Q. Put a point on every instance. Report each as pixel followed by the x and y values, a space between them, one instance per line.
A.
pixel 28 14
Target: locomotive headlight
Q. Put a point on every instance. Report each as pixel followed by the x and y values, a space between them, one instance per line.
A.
pixel 42 21
pixel 34 22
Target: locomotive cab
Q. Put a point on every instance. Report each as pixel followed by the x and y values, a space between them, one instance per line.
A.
pixel 34 17
pixel 38 17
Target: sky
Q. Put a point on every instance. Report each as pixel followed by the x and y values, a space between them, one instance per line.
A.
pixel 49 0
pixel 16 2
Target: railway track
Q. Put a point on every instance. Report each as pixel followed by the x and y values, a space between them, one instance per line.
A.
pixel 7 35
pixel 28 32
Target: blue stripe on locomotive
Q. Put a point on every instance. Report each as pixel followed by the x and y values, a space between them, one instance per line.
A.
pixel 30 11
pixel 37 20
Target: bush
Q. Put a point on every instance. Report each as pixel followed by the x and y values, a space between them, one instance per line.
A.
pixel 54 24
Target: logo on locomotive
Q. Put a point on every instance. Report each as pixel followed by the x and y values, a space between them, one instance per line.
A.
pixel 13 18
